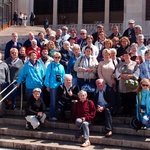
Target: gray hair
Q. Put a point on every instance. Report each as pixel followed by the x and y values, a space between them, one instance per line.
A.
pixel 37 90
pixel 83 30
pixel 68 76
pixel 139 27
pixel 33 41
pixel 82 92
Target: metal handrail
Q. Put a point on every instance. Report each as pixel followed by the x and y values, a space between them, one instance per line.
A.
pixel 7 87
pixel 8 94
pixel 21 102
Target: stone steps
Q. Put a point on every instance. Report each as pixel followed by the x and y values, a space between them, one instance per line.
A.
pixel 123 129
pixel 40 144
pixel 68 135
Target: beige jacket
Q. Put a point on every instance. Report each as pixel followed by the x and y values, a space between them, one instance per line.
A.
pixel 93 63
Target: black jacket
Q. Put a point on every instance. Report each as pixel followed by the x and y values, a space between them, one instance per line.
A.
pixel 34 106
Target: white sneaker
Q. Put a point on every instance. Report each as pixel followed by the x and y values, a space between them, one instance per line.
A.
pixel 53 119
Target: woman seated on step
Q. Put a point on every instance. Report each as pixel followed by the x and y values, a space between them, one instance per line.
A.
pixel 35 110
pixel 83 113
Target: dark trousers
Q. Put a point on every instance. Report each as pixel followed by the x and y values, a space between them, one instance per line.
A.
pixel 128 102
pixel 106 117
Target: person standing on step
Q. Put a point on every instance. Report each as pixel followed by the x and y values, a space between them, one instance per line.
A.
pixel 83 113
pixel 15 18
pixel 32 18
pixel 13 43
pixel 35 110
pixel 4 81
pixel 15 64
pixel 54 77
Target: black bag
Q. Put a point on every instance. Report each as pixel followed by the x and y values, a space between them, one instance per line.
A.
pixel 135 124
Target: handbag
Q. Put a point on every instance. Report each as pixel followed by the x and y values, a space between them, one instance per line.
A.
pixel 131 83
pixel 88 88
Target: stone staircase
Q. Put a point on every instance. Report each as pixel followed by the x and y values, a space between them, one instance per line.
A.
pixel 60 136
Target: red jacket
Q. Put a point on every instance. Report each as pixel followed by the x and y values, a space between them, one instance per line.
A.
pixel 38 50
pixel 86 109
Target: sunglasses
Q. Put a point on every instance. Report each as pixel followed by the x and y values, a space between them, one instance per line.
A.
pixel 57 57
pixel 145 85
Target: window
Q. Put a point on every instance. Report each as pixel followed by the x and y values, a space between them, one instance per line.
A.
pixel 147 9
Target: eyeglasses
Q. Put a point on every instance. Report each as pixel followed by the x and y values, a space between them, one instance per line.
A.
pixel 145 85
pixel 82 33
pixel 57 57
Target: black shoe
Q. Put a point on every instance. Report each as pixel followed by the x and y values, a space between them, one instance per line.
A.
pixel 28 126
pixel 78 134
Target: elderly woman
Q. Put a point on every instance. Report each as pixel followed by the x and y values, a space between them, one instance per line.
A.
pixel 89 41
pixel 22 54
pixel 15 65
pixel 124 42
pixel 35 110
pixel 66 95
pixel 134 55
pixel 35 48
pixel 106 68
pixel 54 77
pixel 72 61
pixel 84 117
pixel 107 45
pixel 33 72
pixel 86 68
pixel 127 70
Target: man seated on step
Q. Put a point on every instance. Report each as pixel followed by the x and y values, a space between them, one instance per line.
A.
pixel 103 105
pixel 66 96
pixel 35 110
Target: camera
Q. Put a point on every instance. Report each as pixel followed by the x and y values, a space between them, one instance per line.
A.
pixel 58 78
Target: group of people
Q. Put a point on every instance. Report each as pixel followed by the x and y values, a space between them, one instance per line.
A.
pixel 22 18
pixel 83 78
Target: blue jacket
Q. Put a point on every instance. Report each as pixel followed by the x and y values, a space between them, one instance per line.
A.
pixel 54 69
pixel 70 67
pixel 10 45
pixel 33 75
pixel 142 101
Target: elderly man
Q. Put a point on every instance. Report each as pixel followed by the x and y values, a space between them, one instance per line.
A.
pixel 66 53
pixel 104 101
pixel 31 37
pixel 4 79
pixel 12 44
pixel 130 32
pixel 66 95
pixel 82 40
pixel 100 28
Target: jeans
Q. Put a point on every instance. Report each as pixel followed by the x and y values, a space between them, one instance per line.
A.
pixel 52 110
pixel 145 120
pixel 84 126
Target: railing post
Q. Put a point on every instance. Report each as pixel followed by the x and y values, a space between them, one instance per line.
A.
pixel 21 102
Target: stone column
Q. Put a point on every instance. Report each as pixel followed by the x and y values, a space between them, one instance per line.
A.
pixel 80 14
pixel 134 10
pixel 55 6
pixel 106 15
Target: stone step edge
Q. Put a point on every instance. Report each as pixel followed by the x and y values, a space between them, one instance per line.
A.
pixel 24 144
pixel 66 137
pixel 71 126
